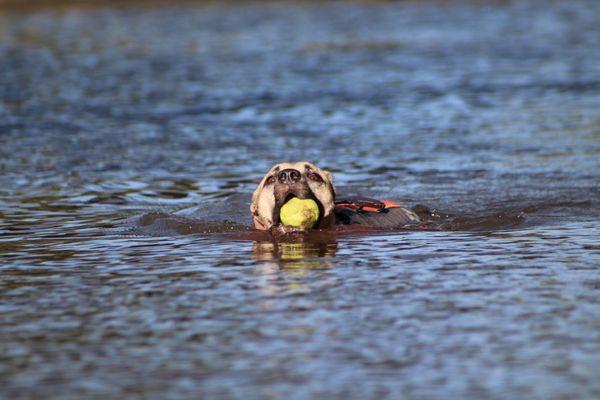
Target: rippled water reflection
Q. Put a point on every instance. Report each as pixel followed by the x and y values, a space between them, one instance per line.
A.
pixel 485 112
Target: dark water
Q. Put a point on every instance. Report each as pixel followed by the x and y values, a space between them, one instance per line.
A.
pixel 489 112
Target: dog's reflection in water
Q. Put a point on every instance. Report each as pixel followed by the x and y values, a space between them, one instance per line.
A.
pixel 294 267
pixel 296 253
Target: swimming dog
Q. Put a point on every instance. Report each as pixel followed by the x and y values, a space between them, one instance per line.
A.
pixel 307 181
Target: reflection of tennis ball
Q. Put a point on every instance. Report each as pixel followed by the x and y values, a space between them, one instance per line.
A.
pixel 300 213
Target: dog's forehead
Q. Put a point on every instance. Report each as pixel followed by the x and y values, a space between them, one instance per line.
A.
pixel 300 166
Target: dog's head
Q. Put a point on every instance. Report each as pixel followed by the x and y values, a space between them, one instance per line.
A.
pixel 286 180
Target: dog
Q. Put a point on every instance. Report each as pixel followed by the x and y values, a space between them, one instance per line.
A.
pixel 307 181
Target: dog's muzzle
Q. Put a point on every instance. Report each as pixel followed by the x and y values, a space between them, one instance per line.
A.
pixel 291 183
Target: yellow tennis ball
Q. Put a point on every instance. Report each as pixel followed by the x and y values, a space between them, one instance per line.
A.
pixel 300 213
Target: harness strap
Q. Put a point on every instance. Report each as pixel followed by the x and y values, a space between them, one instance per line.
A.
pixel 365 205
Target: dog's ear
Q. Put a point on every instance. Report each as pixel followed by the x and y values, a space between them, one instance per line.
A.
pixel 263 204
pixel 329 179
pixel 324 191
pixel 328 219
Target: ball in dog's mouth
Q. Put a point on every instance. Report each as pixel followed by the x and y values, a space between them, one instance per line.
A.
pixel 299 213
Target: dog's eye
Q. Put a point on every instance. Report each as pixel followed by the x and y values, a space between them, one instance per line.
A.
pixel 270 180
pixel 313 176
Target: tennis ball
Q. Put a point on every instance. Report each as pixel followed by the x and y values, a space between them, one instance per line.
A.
pixel 299 213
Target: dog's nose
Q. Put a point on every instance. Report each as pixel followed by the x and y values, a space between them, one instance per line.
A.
pixel 289 176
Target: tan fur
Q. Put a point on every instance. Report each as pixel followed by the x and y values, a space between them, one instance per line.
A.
pixel 264 203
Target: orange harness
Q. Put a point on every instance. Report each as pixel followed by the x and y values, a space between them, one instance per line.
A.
pixel 364 205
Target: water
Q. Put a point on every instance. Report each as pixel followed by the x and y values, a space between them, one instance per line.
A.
pixel 488 112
